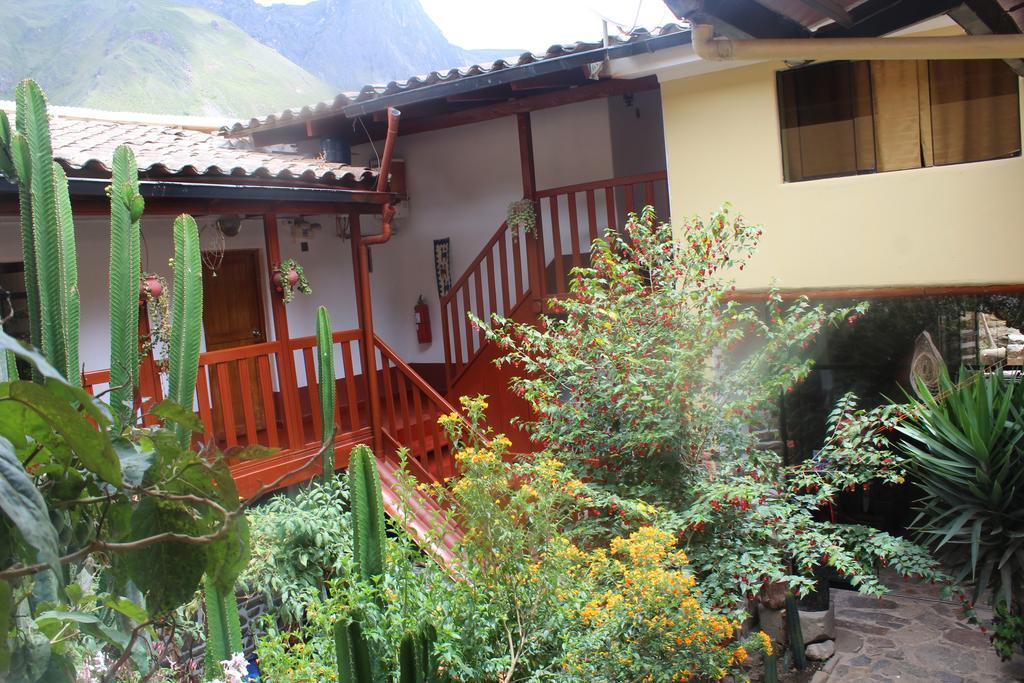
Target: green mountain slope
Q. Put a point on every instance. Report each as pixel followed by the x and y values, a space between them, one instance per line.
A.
pixel 147 56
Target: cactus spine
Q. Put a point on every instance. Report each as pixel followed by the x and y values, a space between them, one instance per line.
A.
pixel 325 365
pixel 126 207
pixel 796 635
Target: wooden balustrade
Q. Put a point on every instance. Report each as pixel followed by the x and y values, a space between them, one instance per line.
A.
pixel 410 416
pixel 500 279
pixel 575 215
pixel 495 282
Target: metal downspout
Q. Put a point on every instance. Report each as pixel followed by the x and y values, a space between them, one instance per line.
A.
pixel 996 46
pixel 366 299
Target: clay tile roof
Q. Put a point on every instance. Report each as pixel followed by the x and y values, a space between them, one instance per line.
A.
pixel 372 92
pixel 183 147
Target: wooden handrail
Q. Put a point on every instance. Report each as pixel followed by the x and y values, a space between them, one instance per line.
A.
pixel 480 349
pixel 472 267
pixel 602 184
pixel 238 353
pixel 413 376
pixel 297 343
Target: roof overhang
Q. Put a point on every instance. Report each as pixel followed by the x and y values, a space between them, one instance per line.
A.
pixel 166 197
pixel 468 95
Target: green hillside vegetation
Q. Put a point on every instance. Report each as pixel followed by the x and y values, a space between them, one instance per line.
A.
pixel 147 56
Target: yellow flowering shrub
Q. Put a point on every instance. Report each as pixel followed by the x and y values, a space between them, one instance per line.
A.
pixel 645 621
pixel 535 603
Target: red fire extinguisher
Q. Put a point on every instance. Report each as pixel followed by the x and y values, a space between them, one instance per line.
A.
pixel 422 314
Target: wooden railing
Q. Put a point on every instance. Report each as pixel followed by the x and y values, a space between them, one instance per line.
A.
pixel 512 268
pixel 575 215
pixel 410 412
pixel 242 397
pixel 495 282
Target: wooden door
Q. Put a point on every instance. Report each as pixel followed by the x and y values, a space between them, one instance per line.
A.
pixel 233 316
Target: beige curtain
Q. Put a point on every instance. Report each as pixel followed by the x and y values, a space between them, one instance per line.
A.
pixel 974 110
pixel 897 108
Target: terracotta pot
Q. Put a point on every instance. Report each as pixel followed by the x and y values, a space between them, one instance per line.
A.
pixel 293 279
pixel 152 285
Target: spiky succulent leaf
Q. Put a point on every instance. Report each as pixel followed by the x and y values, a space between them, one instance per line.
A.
pixel 367 513
pixel 186 318
pixel 124 284
pixel 966 452
pixel 325 380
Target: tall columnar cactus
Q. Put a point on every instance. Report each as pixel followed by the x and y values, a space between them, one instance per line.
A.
pixel 47 231
pixel 796 634
pixel 126 206
pixel 325 354
pixel 367 514
pixel 186 319
pixel 355 657
pixel 223 627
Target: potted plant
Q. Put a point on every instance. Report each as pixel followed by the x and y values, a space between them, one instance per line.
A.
pixel 153 294
pixel 288 276
pixel 521 215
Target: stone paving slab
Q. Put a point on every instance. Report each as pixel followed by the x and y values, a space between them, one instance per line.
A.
pixel 912 636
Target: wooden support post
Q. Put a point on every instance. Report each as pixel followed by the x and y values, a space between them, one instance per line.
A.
pixel 286 375
pixel 355 232
pixel 535 242
pixel 364 302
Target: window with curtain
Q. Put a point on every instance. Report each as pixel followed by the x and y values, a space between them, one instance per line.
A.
pixel 845 118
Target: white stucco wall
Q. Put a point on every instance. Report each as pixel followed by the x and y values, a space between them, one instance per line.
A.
pixel 460 181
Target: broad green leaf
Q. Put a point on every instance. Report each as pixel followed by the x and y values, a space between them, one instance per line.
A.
pixel 135 460
pixel 91 446
pixel 175 413
pixel 124 606
pixel 21 501
pixel 167 573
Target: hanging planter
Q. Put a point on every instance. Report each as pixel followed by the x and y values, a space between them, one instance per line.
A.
pixel 289 277
pixel 153 294
pixel 521 215
pixel 151 286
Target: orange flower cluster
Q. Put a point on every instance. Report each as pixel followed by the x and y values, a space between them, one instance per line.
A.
pixel 648 619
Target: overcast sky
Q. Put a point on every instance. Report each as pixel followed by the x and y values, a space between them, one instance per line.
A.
pixel 533 24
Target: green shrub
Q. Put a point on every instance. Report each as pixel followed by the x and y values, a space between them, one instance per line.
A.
pixel 966 452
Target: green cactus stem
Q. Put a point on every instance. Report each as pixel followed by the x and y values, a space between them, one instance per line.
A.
pixel 325 381
pixel 125 266
pixel 367 514
pixel 186 319
pixel 223 628
pixel 796 634
pixel 352 653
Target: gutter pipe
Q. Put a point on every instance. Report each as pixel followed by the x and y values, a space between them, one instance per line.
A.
pixel 366 299
pixel 997 46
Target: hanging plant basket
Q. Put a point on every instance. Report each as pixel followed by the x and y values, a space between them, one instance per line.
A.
pixel 289 277
pixel 521 215
pixel 151 286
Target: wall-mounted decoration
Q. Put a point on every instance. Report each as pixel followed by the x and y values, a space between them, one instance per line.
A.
pixel 443 265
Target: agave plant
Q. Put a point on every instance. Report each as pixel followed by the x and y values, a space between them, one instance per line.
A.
pixel 966 452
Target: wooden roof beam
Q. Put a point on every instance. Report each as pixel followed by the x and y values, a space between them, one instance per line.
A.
pixel 983 17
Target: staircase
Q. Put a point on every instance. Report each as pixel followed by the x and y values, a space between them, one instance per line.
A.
pixel 515 275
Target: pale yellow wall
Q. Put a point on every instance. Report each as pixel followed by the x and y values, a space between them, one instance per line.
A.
pixel 951 225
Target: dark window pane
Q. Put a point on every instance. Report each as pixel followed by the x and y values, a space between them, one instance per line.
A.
pixel 818 111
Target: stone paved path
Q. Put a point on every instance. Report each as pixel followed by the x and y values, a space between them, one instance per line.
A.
pixel 912 636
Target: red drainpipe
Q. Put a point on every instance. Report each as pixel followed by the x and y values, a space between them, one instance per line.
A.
pixel 369 341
